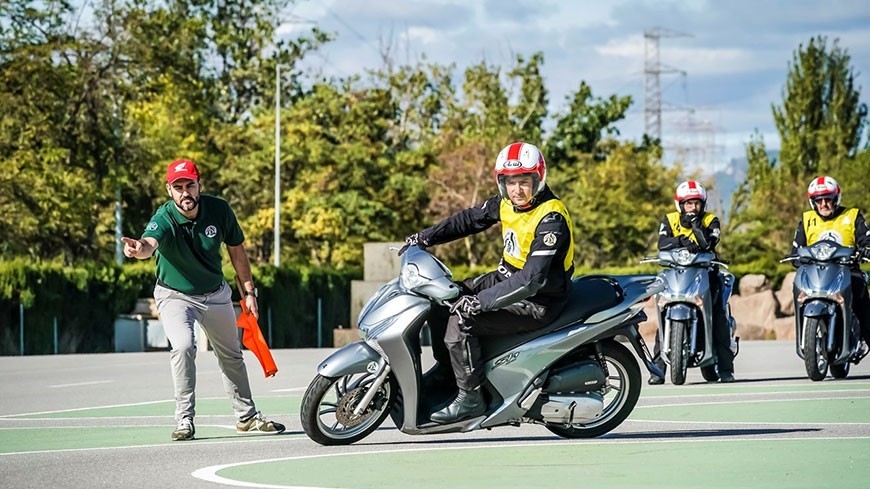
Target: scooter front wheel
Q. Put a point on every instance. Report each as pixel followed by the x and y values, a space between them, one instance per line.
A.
pixel 815 352
pixel 328 406
pixel 679 355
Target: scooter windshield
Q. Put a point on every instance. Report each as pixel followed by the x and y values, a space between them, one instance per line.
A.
pixel 423 274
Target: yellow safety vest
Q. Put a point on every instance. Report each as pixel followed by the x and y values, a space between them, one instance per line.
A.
pixel 518 230
pixel 678 230
pixel 840 229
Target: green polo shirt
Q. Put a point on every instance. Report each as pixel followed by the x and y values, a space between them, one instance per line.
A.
pixel 189 250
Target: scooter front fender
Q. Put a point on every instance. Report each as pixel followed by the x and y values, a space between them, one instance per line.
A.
pixel 678 312
pixel 817 309
pixel 354 358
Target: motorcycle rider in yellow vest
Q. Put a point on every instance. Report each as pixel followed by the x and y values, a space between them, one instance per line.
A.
pixel 828 220
pixel 693 228
pixel 529 288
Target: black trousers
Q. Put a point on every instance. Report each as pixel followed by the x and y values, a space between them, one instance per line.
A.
pixel 721 330
pixel 461 347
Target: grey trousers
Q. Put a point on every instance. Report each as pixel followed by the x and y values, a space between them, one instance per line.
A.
pixel 215 313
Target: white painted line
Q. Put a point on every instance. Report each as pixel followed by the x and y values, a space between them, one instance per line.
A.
pixel 748 423
pixel 161 425
pixel 752 401
pixel 109 406
pixel 174 444
pixel 209 474
pixel 759 393
pixel 291 389
pixel 95 382
pixel 87 408
pixel 166 416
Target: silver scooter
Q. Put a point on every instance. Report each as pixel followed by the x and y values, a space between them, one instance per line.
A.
pixel 827 332
pixel 571 376
pixel 685 312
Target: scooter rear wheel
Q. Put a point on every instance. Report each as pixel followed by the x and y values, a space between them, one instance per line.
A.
pixel 622 391
pixel 327 408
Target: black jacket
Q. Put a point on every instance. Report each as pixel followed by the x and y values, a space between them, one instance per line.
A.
pixel 542 280
pixel 707 236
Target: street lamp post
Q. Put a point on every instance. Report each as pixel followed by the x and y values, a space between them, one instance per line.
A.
pixel 276 253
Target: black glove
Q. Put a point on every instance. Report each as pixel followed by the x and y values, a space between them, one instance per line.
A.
pixel 690 219
pixel 865 252
pixel 415 239
pixel 689 245
pixel 466 306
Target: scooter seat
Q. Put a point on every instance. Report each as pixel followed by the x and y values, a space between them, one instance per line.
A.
pixel 588 295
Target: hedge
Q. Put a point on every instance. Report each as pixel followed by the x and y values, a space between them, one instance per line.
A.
pixel 86 299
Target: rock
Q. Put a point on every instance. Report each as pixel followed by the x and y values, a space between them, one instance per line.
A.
pixel 752 284
pixel 785 296
pixel 754 314
pixel 784 328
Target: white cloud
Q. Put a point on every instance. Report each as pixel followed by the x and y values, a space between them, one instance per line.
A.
pixel 425 35
pixel 736 60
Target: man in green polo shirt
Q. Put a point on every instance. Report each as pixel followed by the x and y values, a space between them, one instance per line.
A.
pixel 186 234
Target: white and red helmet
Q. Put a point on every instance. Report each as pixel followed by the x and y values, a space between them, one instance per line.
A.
pixel 519 159
pixel 823 187
pixel 690 190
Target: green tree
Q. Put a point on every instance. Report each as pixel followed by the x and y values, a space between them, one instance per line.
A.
pixel 820 122
pixel 475 129
pixel 584 125
pixel 616 204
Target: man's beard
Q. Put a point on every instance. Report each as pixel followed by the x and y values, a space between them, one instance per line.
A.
pixel 187 204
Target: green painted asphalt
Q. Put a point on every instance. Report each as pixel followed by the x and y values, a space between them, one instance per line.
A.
pixel 18 440
pixel 781 464
pixel 213 406
pixel 808 411
pixel 835 410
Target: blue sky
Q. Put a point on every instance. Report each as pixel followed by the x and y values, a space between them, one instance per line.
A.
pixel 735 59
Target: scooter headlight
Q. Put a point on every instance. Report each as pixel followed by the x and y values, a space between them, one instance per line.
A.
pixel 822 251
pixel 410 277
pixel 683 257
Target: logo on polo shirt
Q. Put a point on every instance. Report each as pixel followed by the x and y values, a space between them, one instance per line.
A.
pixel 211 231
pixel 151 226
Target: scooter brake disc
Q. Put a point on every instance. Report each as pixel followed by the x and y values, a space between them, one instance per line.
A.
pixel 348 402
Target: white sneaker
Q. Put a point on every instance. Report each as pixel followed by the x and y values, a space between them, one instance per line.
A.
pixel 184 430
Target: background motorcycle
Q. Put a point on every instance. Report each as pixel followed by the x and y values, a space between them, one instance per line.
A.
pixel 827 332
pixel 571 376
pixel 685 312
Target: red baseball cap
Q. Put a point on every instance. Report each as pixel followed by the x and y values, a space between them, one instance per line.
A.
pixel 181 169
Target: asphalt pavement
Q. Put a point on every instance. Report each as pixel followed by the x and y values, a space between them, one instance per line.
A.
pixel 104 421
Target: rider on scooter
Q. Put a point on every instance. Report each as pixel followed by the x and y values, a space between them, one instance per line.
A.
pixel 529 288
pixel 828 220
pixel 696 230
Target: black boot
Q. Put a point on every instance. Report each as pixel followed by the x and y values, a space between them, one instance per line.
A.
pixel 655 379
pixel 468 404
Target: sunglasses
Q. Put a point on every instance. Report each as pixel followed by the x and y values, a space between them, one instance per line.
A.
pixel 819 200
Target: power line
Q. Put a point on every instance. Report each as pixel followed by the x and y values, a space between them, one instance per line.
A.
pixel 353 31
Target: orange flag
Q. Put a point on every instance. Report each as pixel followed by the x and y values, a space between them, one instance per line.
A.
pixel 253 340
